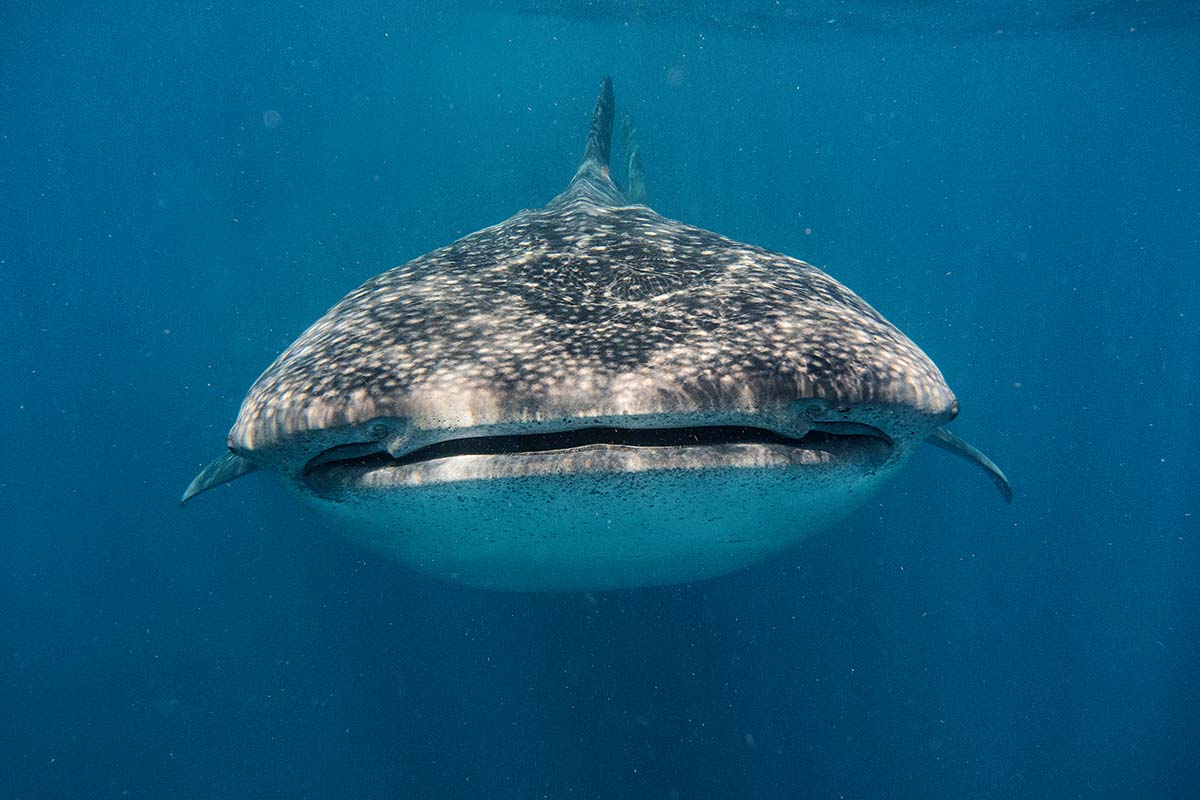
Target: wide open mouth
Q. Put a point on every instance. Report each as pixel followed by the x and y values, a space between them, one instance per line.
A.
pixel 685 447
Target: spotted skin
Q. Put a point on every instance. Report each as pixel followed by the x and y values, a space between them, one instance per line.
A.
pixel 591 313
pixel 581 309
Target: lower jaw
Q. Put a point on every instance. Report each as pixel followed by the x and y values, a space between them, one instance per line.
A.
pixel 853 453
pixel 535 525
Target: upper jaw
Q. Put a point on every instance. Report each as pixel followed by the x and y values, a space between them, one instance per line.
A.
pixel 281 411
pixel 390 451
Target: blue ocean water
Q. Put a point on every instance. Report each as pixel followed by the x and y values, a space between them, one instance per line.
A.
pixel 1016 185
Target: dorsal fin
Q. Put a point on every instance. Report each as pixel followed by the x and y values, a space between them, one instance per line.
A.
pixel 592 182
pixel 599 141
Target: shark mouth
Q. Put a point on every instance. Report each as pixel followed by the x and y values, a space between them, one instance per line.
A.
pixel 594 450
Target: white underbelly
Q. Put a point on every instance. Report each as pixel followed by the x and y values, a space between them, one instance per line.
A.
pixel 601 531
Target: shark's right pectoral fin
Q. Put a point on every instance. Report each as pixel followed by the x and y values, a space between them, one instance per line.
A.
pixel 949 442
pixel 225 469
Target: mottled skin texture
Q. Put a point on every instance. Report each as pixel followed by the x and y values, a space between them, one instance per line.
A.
pixel 579 310
pixel 418 413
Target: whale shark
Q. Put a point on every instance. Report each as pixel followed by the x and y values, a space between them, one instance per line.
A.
pixel 590 396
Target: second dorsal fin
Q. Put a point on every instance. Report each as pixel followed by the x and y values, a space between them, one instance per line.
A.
pixel 635 174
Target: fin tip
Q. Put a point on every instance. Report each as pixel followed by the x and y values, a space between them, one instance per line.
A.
pixel 228 467
pixel 947 441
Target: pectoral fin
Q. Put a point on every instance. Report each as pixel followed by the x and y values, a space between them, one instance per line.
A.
pixel 948 441
pixel 225 469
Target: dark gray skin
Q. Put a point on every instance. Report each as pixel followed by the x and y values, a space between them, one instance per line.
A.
pixel 583 357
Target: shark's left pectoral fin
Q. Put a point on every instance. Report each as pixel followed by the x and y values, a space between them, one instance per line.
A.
pixel 225 469
pixel 948 441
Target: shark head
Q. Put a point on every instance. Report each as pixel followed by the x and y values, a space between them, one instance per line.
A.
pixel 591 396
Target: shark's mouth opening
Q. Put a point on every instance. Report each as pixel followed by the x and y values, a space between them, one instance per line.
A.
pixel 339 463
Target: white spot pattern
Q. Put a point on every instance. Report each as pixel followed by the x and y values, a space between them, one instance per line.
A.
pixel 581 310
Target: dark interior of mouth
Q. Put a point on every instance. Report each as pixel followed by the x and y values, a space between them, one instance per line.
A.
pixel 363 456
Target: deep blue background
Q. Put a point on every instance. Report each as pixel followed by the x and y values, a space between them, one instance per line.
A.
pixel 1017 188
